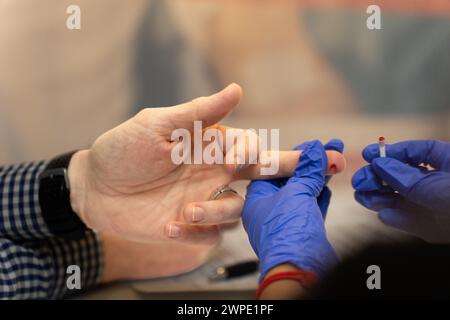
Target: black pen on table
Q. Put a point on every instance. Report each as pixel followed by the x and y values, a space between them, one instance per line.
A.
pixel 235 270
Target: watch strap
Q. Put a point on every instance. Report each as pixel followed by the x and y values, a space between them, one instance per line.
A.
pixel 54 199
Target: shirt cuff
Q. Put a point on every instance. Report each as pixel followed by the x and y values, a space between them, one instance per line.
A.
pixel 85 255
pixel 21 216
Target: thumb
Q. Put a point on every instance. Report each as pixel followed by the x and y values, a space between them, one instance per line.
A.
pixel 209 110
pixel 428 189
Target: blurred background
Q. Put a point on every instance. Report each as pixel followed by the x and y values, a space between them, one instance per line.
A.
pixel 309 68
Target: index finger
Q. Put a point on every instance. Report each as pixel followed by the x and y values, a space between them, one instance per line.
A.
pixel 288 161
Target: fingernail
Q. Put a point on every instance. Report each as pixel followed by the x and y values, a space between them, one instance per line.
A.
pixel 198 214
pixel 173 231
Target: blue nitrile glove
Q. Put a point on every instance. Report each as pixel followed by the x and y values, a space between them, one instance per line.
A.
pixel 284 221
pixel 325 196
pixel 416 199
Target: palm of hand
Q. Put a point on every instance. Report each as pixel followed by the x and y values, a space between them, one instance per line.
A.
pixel 139 182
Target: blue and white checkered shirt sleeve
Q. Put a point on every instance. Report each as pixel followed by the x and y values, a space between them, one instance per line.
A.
pixel 33 263
pixel 20 213
pixel 39 269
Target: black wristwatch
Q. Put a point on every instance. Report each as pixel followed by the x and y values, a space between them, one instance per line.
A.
pixel 54 200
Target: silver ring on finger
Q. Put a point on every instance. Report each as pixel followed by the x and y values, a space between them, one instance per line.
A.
pixel 221 190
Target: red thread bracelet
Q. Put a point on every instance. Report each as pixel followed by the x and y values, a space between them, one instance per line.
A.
pixel 305 278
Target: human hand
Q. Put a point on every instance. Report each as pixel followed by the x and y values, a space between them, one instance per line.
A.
pixel 283 219
pixel 416 198
pixel 128 185
pixel 334 149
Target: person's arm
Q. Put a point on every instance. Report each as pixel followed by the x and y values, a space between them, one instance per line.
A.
pixel 285 289
pixel 33 263
pixel 284 219
pixel 20 212
pixel 38 269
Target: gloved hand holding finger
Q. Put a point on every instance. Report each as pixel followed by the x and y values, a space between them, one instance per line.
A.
pixel 283 219
pixel 229 207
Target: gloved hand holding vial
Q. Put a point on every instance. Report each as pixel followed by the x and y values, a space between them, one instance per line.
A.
pixel 416 198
